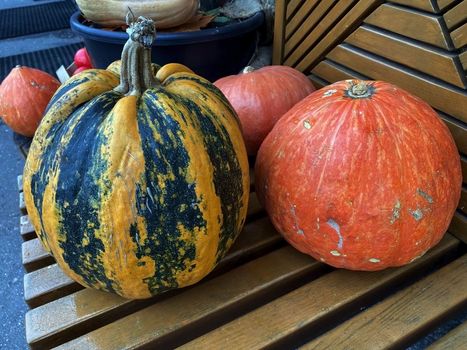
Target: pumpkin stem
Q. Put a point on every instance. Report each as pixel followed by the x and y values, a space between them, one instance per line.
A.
pixel 136 72
pixel 360 89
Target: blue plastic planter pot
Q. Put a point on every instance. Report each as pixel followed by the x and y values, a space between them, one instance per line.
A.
pixel 211 53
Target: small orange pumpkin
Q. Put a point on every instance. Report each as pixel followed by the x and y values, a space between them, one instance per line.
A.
pixel 361 175
pixel 260 97
pixel 24 95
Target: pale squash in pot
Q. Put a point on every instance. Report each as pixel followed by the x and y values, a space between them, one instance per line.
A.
pixel 165 13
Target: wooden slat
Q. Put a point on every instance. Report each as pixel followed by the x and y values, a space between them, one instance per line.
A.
pixel 166 324
pixel 296 21
pixel 444 98
pixel 464 168
pixel 456 339
pixel 408 53
pixel 411 312
pixel 455 16
pixel 34 256
pixel 459 36
pixel 26 229
pixel 339 31
pixel 463 201
pixel 46 284
pixel 463 59
pixel 56 322
pixel 312 39
pixel 458 226
pixel 408 22
pixel 279 32
pixel 43 326
pixel 19 181
pixel 282 322
pixel 292 7
pixel 317 81
pixel 311 21
pixel 442 4
pixel 458 131
pixel 22 205
pixel 332 72
pixel 254 207
pixel 426 5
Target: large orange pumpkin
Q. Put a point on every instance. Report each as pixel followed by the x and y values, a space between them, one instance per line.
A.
pixel 260 97
pixel 24 95
pixel 360 175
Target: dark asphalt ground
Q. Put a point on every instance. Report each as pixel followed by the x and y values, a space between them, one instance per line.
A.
pixel 12 305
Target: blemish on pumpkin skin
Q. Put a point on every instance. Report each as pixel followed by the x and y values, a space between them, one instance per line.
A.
pixel 329 92
pixel 335 253
pixel 307 124
pixel 374 260
pixel 425 195
pixel 298 229
pixel 417 214
pixel 396 212
pixel 335 226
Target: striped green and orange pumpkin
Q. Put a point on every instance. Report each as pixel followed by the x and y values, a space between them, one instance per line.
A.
pixel 138 188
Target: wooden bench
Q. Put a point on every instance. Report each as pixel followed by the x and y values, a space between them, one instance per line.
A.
pixel 265 294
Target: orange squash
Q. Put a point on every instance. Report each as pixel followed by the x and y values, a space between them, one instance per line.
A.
pixel 24 95
pixel 260 97
pixel 360 175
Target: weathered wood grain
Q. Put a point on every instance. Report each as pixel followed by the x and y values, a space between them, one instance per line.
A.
pixel 463 59
pixel 458 226
pixel 34 256
pixel 19 181
pixel 339 31
pixel 443 4
pixel 409 53
pixel 26 229
pixel 22 204
pixel 279 32
pixel 411 312
pixel 459 36
pixel 425 5
pixel 166 324
pixel 455 16
pixel 292 7
pixel 312 21
pixel 312 39
pixel 295 23
pixel 333 72
pixel 44 327
pixel 407 22
pixel 463 202
pixel 458 131
pixel 46 284
pixel 316 303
